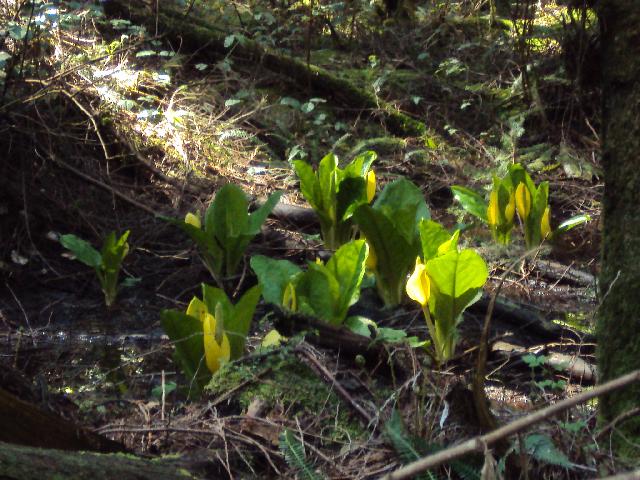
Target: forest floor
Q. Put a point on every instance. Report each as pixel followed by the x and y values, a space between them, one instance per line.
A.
pixel 175 121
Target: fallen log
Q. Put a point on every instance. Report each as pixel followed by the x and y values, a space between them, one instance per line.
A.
pixel 26 424
pixel 19 462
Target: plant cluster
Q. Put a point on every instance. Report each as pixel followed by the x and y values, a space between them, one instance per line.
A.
pixel 406 252
pixel 515 192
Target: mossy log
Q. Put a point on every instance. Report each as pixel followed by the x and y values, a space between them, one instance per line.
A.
pixel 207 43
pixel 26 424
pixel 29 463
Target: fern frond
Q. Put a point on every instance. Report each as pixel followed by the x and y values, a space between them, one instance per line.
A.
pixel 293 451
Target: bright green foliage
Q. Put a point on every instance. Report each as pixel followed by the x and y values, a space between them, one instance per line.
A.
pixel 335 193
pixel 515 192
pixel 106 262
pixel 445 284
pixel 324 291
pixel 228 229
pixel 197 343
pixel 390 227
pixel 457 278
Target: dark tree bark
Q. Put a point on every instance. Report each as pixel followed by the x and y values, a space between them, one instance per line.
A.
pixel 619 317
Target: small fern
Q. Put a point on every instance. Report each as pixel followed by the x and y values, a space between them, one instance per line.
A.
pixel 411 449
pixel 293 451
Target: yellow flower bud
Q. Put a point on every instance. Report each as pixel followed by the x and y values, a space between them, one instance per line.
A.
pixel 372 258
pixel 215 353
pixel 492 210
pixel 371 185
pixel 419 286
pixel 510 209
pixel 193 219
pixel 523 201
pixel 545 224
pixel 289 299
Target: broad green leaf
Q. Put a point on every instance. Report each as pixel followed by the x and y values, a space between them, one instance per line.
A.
pixel 309 184
pixel 327 182
pixel 456 279
pixel 360 165
pixel 351 194
pixel 391 335
pixel 347 266
pixel 114 250
pixel 360 325
pixel 257 218
pixel 227 216
pixel 395 255
pixel 82 249
pixel 186 334
pixel 273 275
pixel 432 235
pixel 404 205
pixel 217 303
pixel 471 201
pixel 237 326
pixel 318 294
pixel 456 272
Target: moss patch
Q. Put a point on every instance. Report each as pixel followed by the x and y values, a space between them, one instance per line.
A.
pixel 284 382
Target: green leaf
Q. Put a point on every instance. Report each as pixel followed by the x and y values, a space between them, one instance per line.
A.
pixel 273 275
pixel 432 235
pixel 395 255
pixel 456 282
pixel 471 201
pixel 404 205
pixel 257 218
pixel 542 448
pixel 82 250
pixel 347 266
pixel 114 250
pixel 237 326
pixel 360 325
pixel 391 335
pixel 309 184
pixel 169 387
pixel 572 223
pixel 186 333
pixel 145 53
pixel 293 451
pixel 318 292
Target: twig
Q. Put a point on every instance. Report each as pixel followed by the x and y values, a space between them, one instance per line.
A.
pixel 326 374
pixel 100 184
pixel 613 423
pixel 486 419
pixel 477 444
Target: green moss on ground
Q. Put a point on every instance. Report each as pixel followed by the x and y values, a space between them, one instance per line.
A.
pixel 291 386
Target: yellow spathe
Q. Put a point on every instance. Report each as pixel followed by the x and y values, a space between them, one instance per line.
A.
pixel 523 201
pixel 371 185
pixel 215 353
pixel 419 286
pixel 193 219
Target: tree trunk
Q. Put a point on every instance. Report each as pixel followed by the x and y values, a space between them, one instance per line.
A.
pixel 619 317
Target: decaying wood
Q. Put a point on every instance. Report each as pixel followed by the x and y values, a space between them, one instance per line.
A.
pixel 26 424
pixel 19 462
